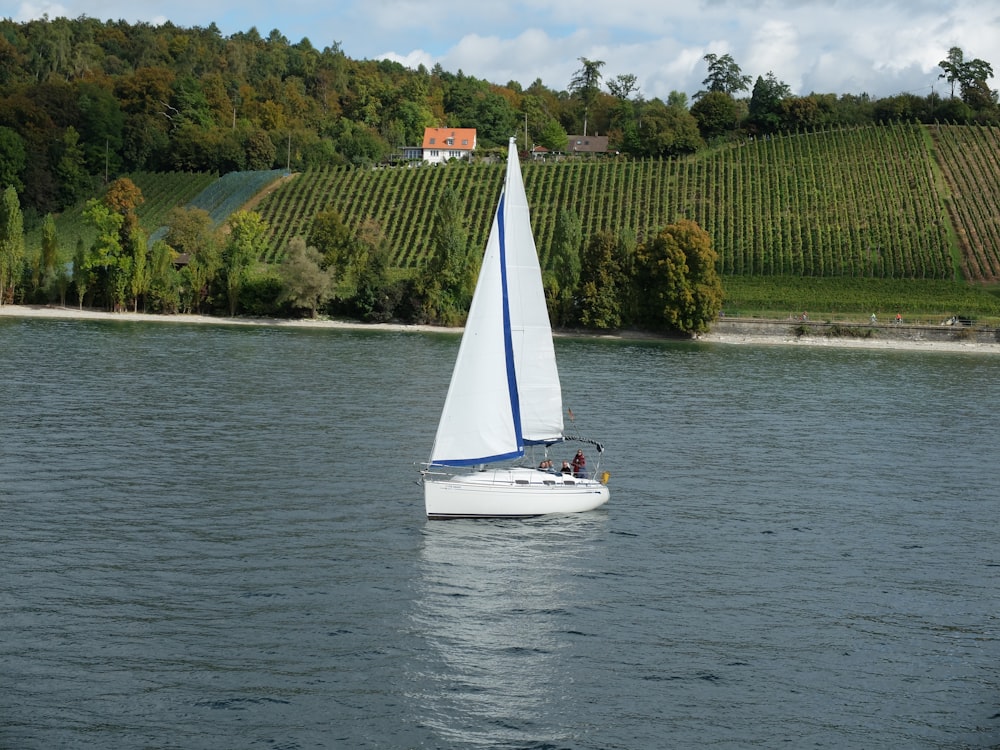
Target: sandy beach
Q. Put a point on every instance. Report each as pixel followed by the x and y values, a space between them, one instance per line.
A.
pixel 887 340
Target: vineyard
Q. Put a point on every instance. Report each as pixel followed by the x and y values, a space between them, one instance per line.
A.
pixel 870 202
pixel 970 162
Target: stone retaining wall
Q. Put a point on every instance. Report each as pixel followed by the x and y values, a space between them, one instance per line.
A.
pixel 888 331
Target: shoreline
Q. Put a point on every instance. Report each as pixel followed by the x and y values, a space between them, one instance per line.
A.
pixel 776 332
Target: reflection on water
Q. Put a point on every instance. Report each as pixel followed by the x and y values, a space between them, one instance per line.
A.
pixel 495 604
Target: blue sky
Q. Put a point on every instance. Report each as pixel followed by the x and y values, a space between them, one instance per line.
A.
pixel 837 46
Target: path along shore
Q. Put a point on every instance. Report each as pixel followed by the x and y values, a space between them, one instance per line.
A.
pixel 729 331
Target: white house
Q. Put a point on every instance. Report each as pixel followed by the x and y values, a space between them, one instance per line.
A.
pixel 442 144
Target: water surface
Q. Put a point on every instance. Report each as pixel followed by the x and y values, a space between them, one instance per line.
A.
pixel 213 538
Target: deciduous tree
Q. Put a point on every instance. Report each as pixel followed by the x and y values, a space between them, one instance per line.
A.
pixel 247 240
pixel 679 283
pixel 306 283
pixel 11 244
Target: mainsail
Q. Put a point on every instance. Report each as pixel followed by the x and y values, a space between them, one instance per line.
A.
pixel 504 390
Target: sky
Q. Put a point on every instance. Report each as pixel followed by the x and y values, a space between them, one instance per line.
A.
pixel 823 46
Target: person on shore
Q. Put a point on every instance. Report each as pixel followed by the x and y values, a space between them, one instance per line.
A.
pixel 874 320
pixel 899 319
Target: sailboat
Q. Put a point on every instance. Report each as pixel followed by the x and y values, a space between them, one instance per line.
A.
pixel 504 403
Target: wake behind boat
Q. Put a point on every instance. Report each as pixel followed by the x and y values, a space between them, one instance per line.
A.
pixel 504 403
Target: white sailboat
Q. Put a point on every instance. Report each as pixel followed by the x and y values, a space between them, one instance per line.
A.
pixel 505 393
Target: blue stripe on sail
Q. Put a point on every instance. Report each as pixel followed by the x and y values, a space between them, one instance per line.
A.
pixel 508 341
pixel 479 460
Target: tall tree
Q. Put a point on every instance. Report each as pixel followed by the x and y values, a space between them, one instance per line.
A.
pixel 247 240
pixel 723 75
pixel 717 113
pixel 623 86
pixel 104 259
pixel 82 274
pixel 601 283
pixel 679 282
pixel 449 276
pixel 567 242
pixel 11 244
pixel 971 77
pixel 306 283
pixel 765 110
pixel 375 299
pixel 48 257
pixel 952 67
pixel 586 84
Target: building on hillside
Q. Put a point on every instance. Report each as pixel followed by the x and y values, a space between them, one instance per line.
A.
pixel 442 144
pixel 587 144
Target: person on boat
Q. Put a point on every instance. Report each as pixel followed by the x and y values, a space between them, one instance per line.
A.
pixel 580 465
pixel 546 465
pixel 566 468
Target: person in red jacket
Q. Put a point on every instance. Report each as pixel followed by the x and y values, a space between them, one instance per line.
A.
pixel 580 465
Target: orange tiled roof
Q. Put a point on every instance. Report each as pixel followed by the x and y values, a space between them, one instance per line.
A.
pixel 452 139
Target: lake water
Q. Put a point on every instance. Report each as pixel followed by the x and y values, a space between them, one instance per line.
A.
pixel 212 537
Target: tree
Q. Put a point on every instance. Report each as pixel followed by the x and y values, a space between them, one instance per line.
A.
pixel 71 169
pixel 332 237
pixel 952 67
pixel 680 286
pixel 11 244
pixel 668 131
pixel 765 112
pixel 553 136
pixel 104 260
pixel 601 283
pixel 716 113
pixel 48 258
pixel 449 276
pixel 724 76
pixel 82 275
pixel 247 240
pixel 375 299
pixel 306 283
pixel 567 241
pixel 13 157
pixel 970 75
pixel 586 84
pixel 189 234
pixel 164 279
pixel 623 86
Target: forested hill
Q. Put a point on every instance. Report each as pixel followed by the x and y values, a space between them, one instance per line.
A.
pixel 897 201
pixel 84 101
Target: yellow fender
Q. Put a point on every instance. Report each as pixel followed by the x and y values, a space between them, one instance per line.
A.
pixel 605 476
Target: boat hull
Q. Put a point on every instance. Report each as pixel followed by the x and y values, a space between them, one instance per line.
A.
pixel 510 493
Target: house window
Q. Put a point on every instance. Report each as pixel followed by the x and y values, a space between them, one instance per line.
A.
pixel 433 141
pixel 450 141
pixel 465 141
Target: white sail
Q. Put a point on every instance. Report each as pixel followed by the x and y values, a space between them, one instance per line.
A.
pixel 478 422
pixel 534 354
pixel 505 386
